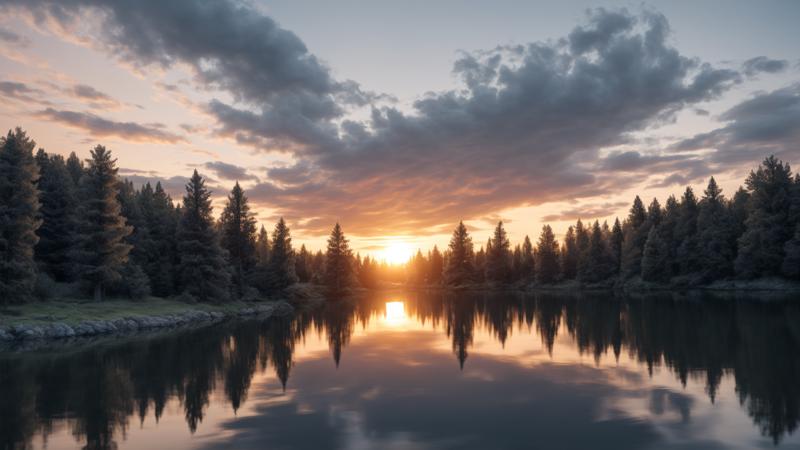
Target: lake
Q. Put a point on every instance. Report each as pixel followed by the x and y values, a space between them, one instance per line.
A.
pixel 417 370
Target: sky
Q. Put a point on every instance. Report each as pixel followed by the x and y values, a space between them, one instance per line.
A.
pixel 398 119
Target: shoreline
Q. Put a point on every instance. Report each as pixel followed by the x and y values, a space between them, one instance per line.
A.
pixel 136 324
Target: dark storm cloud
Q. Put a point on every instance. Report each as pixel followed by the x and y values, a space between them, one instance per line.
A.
pixel 230 172
pixel 759 64
pixel 526 127
pixel 101 127
pixel 768 123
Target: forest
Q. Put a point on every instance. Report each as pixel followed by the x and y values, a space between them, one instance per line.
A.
pixel 72 228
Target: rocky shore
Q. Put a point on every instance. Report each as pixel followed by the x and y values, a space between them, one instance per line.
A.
pixel 135 324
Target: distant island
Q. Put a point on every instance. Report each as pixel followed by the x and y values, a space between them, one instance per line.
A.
pixel 76 229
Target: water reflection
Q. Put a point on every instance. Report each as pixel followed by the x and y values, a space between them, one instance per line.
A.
pixel 563 371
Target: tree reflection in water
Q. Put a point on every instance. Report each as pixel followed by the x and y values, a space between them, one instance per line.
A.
pixel 98 390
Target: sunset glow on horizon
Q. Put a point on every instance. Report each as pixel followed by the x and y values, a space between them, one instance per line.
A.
pixel 530 121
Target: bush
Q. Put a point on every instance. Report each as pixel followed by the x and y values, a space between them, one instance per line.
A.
pixel 186 297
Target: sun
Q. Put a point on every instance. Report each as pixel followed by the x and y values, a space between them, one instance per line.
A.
pixel 397 252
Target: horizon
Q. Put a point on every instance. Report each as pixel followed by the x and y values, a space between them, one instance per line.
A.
pixel 613 103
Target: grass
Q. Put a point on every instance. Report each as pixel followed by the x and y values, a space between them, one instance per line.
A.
pixel 72 312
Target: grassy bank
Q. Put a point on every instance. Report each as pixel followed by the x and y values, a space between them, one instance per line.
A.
pixel 73 312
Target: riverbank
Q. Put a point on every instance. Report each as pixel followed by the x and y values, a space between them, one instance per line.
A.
pixel 67 319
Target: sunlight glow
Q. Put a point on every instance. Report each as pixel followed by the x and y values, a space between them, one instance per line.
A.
pixel 397 252
pixel 395 313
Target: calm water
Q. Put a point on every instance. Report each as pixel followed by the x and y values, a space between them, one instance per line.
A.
pixel 418 371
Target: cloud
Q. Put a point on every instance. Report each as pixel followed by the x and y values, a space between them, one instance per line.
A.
pixel 9 37
pixel 100 127
pixel 230 172
pixel 525 130
pixel 20 91
pixel 93 96
pixel 525 127
pixel 760 64
pixel 768 123
pixel 586 211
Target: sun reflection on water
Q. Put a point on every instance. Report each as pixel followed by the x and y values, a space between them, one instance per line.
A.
pixel 395 314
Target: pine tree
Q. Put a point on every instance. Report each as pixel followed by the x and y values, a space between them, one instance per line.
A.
pixel 616 241
pixel 302 265
pixel 132 282
pixel 761 247
pixel 634 236
pixel 338 261
pixel 281 262
pixel 599 261
pixel 715 228
pixel 581 246
pixel 499 257
pixel 460 265
pixel 547 257
pixel 19 210
pixel 262 247
pixel 528 265
pixel 161 255
pixel 75 169
pixel 238 236
pixel 688 251
pixel 102 250
pixel 569 255
pixel 203 271
pixel 58 202
pixel 435 267
pixel 655 259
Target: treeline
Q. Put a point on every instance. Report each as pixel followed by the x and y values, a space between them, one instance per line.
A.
pixel 687 242
pixel 70 227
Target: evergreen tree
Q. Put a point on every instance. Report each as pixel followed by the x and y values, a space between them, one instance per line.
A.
pixel 582 246
pixel 547 257
pixel 302 265
pixel 367 273
pixel 655 259
pixel 761 247
pixel 262 247
pixel 436 267
pixel 528 265
pixel 688 252
pixel 569 255
pixel 615 242
pixel 102 250
pixel 203 271
pixel 75 169
pixel 132 282
pixel 499 257
pixel 338 261
pixel 238 236
pixel 281 260
pixel 58 203
pixel 667 232
pixel 635 233
pixel 459 266
pixel 160 253
pixel 715 228
pixel 516 264
pixel 599 261
pixel 19 211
